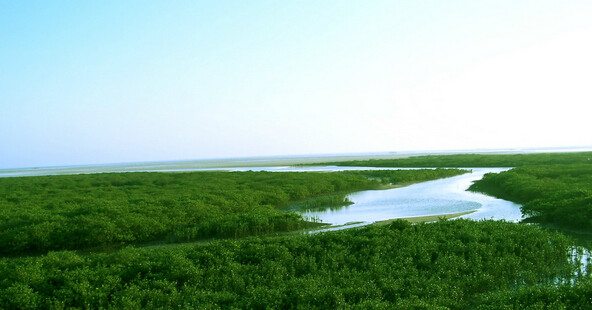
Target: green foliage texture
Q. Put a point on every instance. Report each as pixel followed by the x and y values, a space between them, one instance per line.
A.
pixel 59 227
pixel 44 213
pixel 556 194
pixel 445 265
pixel 474 160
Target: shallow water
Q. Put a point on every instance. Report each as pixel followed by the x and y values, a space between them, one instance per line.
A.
pixel 170 167
pixel 436 197
pixel 442 196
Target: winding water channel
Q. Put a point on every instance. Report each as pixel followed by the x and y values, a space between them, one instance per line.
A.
pixel 438 197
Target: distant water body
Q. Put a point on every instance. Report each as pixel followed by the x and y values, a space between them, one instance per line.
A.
pixel 280 163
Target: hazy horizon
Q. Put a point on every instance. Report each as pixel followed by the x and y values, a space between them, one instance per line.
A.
pixel 290 159
pixel 141 81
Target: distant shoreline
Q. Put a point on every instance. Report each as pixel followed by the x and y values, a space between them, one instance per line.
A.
pixel 268 161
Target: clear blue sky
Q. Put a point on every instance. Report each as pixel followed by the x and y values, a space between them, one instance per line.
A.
pixel 85 82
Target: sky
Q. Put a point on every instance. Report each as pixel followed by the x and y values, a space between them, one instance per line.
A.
pixel 87 82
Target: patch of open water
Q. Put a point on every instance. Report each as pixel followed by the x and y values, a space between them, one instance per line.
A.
pixel 438 197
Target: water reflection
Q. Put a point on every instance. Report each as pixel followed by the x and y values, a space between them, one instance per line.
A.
pixel 436 197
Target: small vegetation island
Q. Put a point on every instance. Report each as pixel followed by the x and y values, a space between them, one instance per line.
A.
pixel 230 240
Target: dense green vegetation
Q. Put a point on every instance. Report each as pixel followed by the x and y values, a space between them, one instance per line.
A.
pixel 554 188
pixel 459 264
pixel 404 177
pixel 444 265
pixel 549 297
pixel 553 194
pixel 474 160
pixel 81 211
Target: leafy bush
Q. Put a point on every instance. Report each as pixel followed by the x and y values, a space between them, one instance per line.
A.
pixel 445 265
pixel 44 213
pixel 556 194
pixel 474 160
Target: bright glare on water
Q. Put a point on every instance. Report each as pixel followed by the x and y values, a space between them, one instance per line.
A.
pixel 436 197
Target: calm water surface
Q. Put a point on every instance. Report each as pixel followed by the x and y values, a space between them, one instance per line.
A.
pixel 436 197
